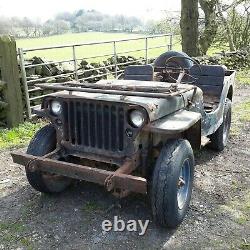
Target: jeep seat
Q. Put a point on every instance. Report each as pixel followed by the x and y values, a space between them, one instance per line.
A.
pixel 139 72
pixel 211 79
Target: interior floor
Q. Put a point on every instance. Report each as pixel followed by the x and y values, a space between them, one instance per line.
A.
pixel 211 103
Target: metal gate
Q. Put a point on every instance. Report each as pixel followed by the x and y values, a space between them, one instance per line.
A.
pixel 144 48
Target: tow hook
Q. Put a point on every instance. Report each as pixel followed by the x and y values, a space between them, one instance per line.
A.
pixel 127 168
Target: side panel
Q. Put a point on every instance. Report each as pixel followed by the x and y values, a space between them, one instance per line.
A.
pixel 213 120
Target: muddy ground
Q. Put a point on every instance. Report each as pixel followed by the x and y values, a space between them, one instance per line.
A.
pixel 218 217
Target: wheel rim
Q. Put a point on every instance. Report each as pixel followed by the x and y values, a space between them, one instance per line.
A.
pixel 183 184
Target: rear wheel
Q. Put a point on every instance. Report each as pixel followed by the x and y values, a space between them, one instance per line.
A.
pixel 44 142
pixel 172 183
pixel 220 138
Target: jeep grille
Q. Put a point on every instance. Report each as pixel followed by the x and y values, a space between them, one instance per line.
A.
pixel 94 125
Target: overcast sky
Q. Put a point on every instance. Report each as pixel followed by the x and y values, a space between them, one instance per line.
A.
pixel 45 9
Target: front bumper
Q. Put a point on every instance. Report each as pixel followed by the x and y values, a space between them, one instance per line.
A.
pixel 111 179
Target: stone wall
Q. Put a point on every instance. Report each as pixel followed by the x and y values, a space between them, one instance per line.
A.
pixel 85 69
pixel 233 60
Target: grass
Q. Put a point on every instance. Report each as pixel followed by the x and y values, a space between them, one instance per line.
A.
pixel 239 209
pixel 9 231
pixel 216 48
pixel 245 246
pixel 241 115
pixel 243 77
pixel 94 50
pixel 15 227
pixel 92 206
pixel 13 233
pixel 243 112
pixel 19 136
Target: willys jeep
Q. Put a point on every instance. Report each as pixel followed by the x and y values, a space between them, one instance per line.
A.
pixel 133 134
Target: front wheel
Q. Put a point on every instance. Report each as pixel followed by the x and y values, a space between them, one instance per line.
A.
pixel 172 183
pixel 44 142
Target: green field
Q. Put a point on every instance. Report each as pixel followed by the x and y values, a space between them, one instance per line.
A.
pixel 93 50
pixel 101 49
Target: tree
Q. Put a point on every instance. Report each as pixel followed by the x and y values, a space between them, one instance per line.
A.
pixel 227 27
pixel 169 24
pixel 80 24
pixel 61 26
pixel 189 27
pixel 27 26
pixel 4 25
pixel 235 28
pixel 78 21
pixel 131 23
pixel 211 24
pixel 239 21
pixel 47 28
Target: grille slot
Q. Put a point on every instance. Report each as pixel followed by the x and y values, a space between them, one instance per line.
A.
pixel 94 125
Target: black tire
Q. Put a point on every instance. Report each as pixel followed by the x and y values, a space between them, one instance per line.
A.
pixel 43 143
pixel 168 210
pixel 219 139
pixel 161 60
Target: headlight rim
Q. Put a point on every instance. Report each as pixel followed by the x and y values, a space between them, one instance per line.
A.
pixel 131 120
pixel 53 111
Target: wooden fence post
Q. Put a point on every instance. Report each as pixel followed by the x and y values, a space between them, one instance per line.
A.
pixel 10 88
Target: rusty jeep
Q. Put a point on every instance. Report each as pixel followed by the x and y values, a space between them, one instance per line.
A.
pixel 133 134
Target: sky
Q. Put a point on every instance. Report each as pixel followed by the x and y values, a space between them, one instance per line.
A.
pixel 45 9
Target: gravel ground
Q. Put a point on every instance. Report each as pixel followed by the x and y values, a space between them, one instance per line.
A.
pixel 218 217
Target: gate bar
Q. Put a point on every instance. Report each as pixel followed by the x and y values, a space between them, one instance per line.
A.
pixel 24 80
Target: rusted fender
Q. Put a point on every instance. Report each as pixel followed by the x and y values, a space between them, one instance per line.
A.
pixel 175 123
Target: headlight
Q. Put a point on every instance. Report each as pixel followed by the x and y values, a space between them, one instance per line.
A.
pixel 137 118
pixel 56 107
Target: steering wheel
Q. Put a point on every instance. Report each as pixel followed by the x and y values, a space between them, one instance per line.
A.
pixel 173 67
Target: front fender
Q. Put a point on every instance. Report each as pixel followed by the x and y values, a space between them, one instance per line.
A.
pixel 175 123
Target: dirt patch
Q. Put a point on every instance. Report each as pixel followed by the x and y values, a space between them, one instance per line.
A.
pixel 218 217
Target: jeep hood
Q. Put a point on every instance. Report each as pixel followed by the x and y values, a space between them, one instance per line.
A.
pixel 155 107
